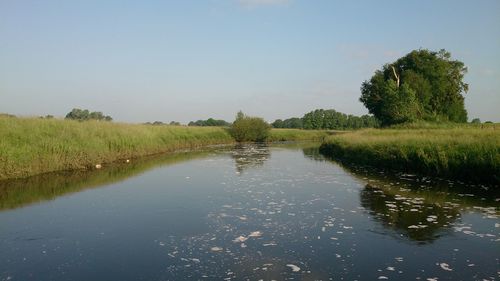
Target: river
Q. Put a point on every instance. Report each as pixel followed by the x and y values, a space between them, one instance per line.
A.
pixel 251 212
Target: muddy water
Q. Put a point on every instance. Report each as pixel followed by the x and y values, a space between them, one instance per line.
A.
pixel 247 213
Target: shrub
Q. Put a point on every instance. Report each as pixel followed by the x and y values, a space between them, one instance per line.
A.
pixel 246 128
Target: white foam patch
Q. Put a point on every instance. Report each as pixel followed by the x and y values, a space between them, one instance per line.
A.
pixel 293 267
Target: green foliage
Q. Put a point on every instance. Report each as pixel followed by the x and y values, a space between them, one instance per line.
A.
pixel 85 114
pixel 465 152
pixel 330 119
pixel 434 86
pixel 209 122
pixel 291 123
pixel 476 121
pixel 246 128
pixel 400 105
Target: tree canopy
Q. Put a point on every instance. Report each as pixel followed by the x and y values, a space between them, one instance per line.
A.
pixel 85 114
pixel 209 122
pixel 328 119
pixel 422 85
pixel 293 123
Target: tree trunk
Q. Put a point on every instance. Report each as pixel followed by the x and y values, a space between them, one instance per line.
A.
pixel 395 76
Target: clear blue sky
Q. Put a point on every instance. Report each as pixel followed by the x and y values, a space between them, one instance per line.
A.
pixel 185 60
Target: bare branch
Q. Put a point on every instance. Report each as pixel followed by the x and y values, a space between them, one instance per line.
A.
pixel 395 75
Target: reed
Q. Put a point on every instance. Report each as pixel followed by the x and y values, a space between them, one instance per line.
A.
pixel 30 146
pixel 467 152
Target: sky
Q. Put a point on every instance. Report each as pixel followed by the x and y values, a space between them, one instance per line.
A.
pixel 186 60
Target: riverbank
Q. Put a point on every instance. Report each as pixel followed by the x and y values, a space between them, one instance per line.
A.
pixel 31 146
pixel 466 152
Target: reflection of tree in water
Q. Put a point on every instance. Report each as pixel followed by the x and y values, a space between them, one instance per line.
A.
pixel 250 155
pixel 415 217
pixel 419 208
pixel 313 153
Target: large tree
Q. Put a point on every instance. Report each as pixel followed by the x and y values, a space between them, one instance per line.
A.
pixel 423 85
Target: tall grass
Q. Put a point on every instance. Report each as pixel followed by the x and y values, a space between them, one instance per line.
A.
pixel 30 146
pixel 465 152
pixel 297 135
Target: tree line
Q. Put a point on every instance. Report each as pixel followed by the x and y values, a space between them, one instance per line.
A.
pixel 329 119
pixel 209 122
pixel 85 114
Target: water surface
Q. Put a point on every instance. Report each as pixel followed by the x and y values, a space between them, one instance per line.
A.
pixel 246 213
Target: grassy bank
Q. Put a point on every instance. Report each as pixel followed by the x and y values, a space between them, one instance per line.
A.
pixel 30 146
pixel 470 153
pixel 33 146
pixel 297 135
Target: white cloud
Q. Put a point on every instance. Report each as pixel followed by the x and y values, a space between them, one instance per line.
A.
pixel 252 3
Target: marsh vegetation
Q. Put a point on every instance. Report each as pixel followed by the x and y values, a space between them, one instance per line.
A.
pixel 467 152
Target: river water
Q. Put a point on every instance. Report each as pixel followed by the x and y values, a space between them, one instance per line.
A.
pixel 249 212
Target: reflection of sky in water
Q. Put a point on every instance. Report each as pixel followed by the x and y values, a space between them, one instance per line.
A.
pixel 280 217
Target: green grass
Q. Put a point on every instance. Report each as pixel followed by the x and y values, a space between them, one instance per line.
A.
pixel 297 135
pixel 30 146
pixel 467 152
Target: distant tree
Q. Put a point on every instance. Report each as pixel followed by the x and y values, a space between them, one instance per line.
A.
pixel 293 123
pixel 246 128
pixel 240 115
pixel 83 115
pixel 278 123
pixel 174 123
pixel 476 121
pixel 428 84
pixel 209 122
pixel 158 123
pixel 330 119
pixel 78 114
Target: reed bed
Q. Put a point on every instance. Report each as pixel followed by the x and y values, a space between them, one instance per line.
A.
pixel 465 152
pixel 30 146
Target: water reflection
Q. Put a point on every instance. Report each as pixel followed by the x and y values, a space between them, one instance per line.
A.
pixel 313 153
pixel 292 218
pixel 417 208
pixel 248 156
pixel 414 217
pixel 21 192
